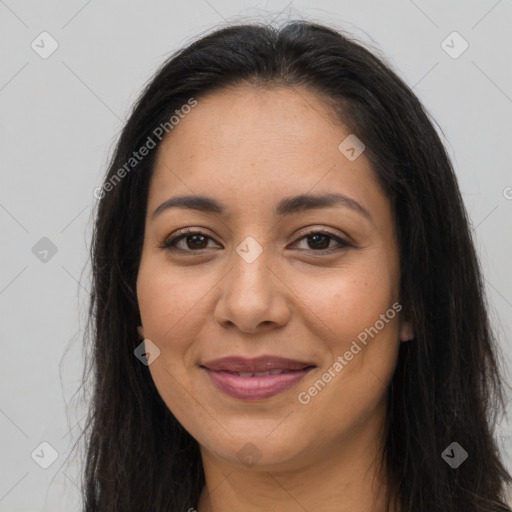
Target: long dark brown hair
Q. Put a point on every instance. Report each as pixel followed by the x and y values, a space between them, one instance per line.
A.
pixel 447 385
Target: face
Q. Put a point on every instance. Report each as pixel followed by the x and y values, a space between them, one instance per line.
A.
pixel 259 276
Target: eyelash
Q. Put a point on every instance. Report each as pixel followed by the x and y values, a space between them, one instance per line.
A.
pixel 169 243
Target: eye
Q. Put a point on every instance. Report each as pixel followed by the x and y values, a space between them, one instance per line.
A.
pixel 320 240
pixel 195 241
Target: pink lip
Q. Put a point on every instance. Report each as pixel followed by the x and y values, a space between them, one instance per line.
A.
pixel 223 374
pixel 256 387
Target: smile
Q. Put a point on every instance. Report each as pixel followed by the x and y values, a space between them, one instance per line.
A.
pixel 255 386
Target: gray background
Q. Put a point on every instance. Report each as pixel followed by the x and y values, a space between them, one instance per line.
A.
pixel 59 118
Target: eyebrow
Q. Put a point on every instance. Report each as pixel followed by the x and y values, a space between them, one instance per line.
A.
pixel 287 206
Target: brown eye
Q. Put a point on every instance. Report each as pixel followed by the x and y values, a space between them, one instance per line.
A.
pixel 319 241
pixel 194 240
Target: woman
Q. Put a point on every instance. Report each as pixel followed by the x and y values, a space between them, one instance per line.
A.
pixel 287 310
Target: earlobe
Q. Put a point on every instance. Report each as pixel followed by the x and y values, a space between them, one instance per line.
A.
pixel 140 330
pixel 406 331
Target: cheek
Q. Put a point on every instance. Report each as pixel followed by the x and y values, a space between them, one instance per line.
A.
pixel 171 311
pixel 348 391
pixel 348 300
pixel 169 299
pixel 353 310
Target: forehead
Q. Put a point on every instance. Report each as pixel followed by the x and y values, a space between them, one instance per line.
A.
pixel 252 146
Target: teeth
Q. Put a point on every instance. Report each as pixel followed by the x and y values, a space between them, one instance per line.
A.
pixel 260 374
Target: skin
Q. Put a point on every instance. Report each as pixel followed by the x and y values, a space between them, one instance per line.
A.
pixel 249 148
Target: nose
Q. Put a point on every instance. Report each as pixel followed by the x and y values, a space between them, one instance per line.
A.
pixel 254 297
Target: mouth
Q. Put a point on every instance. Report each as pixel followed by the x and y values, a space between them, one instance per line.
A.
pixel 255 379
pixel 261 374
pixel 262 364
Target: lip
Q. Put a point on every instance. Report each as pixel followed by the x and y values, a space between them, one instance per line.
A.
pixel 223 375
pixel 257 364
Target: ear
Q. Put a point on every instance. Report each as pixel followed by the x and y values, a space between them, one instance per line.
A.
pixel 140 330
pixel 406 330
